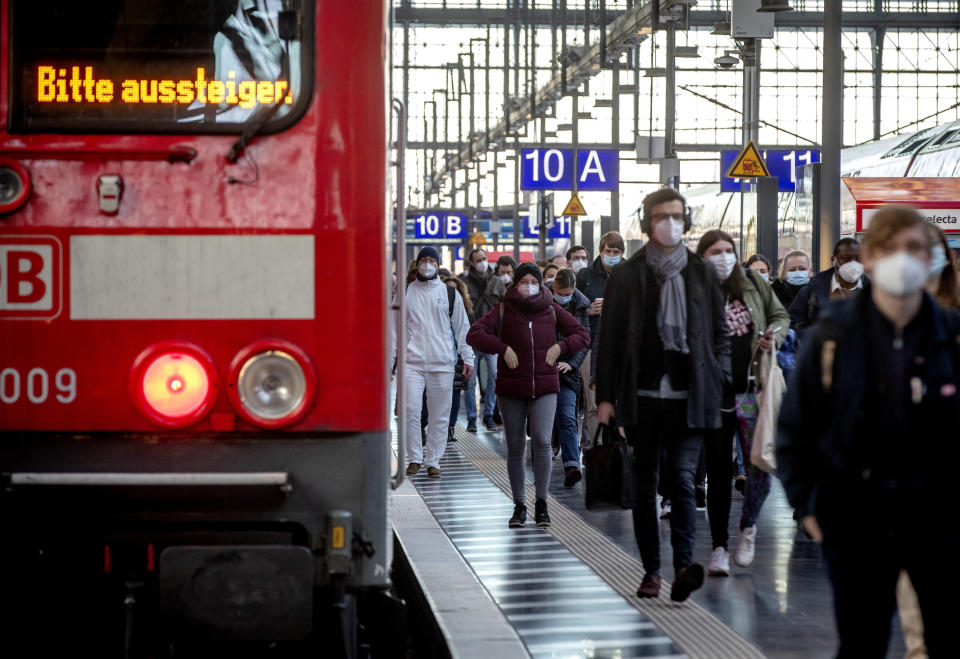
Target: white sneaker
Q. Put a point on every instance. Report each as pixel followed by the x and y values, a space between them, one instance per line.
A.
pixel 665 511
pixel 746 547
pixel 719 563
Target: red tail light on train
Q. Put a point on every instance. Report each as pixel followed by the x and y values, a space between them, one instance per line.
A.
pixel 174 385
pixel 272 384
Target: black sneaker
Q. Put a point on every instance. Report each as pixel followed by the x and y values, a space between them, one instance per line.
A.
pixel 540 514
pixel 451 436
pixel 489 424
pixel 519 518
pixel 472 425
pixel 701 496
pixel 497 419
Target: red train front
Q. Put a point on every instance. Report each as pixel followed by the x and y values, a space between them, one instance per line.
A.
pixel 193 382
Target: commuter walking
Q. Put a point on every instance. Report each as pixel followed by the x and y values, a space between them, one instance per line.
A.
pixel 592 281
pixel 460 383
pixel 578 258
pixel 760 265
pixel 663 359
pixel 496 289
pixel 477 275
pixel 869 428
pixel 843 280
pixel 795 273
pixel 576 304
pixel 756 322
pixel 436 333
pixel 523 330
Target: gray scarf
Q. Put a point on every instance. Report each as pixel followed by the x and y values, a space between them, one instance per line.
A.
pixel 672 310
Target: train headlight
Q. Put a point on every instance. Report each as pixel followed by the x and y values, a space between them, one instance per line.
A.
pixel 174 384
pixel 272 384
pixel 15 185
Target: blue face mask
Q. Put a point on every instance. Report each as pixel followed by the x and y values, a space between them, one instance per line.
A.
pixel 938 261
pixel 611 261
pixel 563 299
pixel 798 277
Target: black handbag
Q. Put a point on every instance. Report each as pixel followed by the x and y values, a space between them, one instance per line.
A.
pixel 608 467
pixel 459 381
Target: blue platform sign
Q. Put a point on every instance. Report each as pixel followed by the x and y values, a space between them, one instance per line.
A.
pixel 598 170
pixel 781 163
pixel 560 228
pixel 440 226
pixel 553 169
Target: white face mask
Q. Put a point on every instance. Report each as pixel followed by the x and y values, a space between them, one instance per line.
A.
pixel 851 271
pixel 900 274
pixel 506 279
pixel 938 260
pixel 427 270
pixel 578 264
pixel 548 281
pixel 723 263
pixel 763 275
pixel 481 266
pixel 529 290
pixel 668 232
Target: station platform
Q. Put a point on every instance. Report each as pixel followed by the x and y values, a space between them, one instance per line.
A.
pixel 569 590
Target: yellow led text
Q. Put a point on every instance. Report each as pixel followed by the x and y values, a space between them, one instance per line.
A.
pixel 69 86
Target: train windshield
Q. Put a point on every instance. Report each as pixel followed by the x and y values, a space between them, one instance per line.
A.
pixel 158 65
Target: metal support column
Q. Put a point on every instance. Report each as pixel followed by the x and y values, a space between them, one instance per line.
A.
pixel 832 135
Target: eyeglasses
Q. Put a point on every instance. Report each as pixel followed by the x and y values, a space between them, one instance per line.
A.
pixel 659 217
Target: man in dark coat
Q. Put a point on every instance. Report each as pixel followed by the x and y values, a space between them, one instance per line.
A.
pixel 843 280
pixel 868 428
pixel 663 358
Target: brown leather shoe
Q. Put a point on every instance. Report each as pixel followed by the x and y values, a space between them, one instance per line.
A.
pixel 573 476
pixel 650 586
pixel 433 472
pixel 412 469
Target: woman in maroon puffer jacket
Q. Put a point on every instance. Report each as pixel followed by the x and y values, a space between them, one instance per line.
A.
pixel 527 380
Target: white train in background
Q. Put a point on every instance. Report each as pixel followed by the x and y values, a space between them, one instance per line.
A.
pixel 932 152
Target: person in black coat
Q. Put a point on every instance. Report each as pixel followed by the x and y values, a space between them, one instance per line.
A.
pixel 664 357
pixel 868 428
pixel 843 280
pixel 573 301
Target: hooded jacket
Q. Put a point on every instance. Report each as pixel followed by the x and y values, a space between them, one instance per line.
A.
pixel 434 336
pixel 530 326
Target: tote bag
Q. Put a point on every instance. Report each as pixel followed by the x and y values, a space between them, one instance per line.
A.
pixel 763 448
pixel 609 472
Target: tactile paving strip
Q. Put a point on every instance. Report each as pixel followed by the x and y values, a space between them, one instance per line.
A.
pixel 558 606
pixel 696 631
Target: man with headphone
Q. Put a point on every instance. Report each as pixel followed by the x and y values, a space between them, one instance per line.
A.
pixel 663 357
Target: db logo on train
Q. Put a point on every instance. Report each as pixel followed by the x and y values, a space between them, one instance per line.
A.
pixel 30 277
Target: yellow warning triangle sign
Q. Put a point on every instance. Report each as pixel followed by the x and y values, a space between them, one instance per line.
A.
pixel 574 207
pixel 748 164
pixel 477 239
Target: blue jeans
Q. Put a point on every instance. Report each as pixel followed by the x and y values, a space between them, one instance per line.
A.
pixel 490 397
pixel 471 398
pixel 566 422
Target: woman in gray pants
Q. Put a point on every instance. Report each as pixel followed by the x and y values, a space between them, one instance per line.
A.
pixel 528 331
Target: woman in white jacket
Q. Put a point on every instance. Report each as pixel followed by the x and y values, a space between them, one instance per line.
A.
pixel 435 335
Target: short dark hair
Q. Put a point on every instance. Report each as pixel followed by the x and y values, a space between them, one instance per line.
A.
pixel 550 265
pixel 507 260
pixel 661 196
pixel 759 257
pixel 612 239
pixel 576 248
pixel 565 279
pixel 842 242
